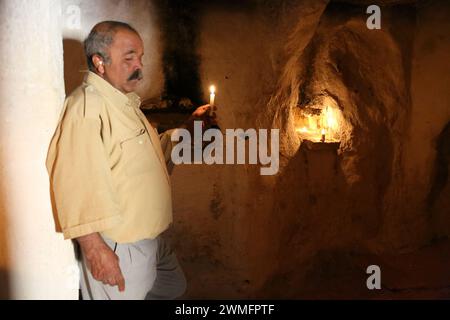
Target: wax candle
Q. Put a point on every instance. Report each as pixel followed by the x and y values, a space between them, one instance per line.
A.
pixel 212 95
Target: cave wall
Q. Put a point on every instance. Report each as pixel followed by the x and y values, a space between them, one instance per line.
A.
pixel 215 223
pixel 35 261
pixel 259 235
pixel 239 234
pixel 428 140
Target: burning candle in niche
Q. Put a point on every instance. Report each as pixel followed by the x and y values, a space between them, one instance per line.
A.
pixel 322 139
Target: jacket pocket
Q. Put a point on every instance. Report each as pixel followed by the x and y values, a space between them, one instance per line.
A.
pixel 137 153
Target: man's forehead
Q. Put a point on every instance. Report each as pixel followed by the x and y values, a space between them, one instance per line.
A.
pixel 128 41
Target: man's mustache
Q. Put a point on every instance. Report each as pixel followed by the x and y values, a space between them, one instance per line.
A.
pixel 136 75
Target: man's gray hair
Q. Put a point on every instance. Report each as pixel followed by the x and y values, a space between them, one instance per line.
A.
pixel 100 38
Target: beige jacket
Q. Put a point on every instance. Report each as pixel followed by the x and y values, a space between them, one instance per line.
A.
pixel 107 166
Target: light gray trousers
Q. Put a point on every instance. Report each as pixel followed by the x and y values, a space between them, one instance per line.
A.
pixel 150 268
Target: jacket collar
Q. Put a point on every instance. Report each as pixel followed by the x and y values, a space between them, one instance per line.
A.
pixel 116 97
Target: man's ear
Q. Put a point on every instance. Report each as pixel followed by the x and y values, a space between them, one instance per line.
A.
pixel 99 64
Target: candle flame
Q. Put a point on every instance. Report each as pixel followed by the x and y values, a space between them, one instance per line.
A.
pixel 212 89
pixel 320 127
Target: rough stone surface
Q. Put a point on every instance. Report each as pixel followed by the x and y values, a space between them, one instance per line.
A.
pixel 35 261
pixel 311 230
pixel 243 235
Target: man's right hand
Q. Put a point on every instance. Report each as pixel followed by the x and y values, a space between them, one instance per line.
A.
pixel 101 260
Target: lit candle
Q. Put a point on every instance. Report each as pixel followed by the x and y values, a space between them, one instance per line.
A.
pixel 323 135
pixel 212 95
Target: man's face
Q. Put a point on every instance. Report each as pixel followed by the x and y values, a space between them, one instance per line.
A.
pixel 124 71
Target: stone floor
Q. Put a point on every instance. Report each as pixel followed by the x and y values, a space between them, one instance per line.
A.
pixel 423 274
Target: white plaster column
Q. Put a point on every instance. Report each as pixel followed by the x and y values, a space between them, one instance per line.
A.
pixel 35 261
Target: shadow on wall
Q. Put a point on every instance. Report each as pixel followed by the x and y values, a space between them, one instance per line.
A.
pixel 74 64
pixel 4 285
pixel 4 262
pixel 4 254
pixel 58 228
pixel 181 61
pixel 314 216
pixel 438 199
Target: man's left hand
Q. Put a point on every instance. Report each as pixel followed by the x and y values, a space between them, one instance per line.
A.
pixel 202 113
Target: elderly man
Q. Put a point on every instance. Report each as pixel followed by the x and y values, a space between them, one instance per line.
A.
pixel 109 177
